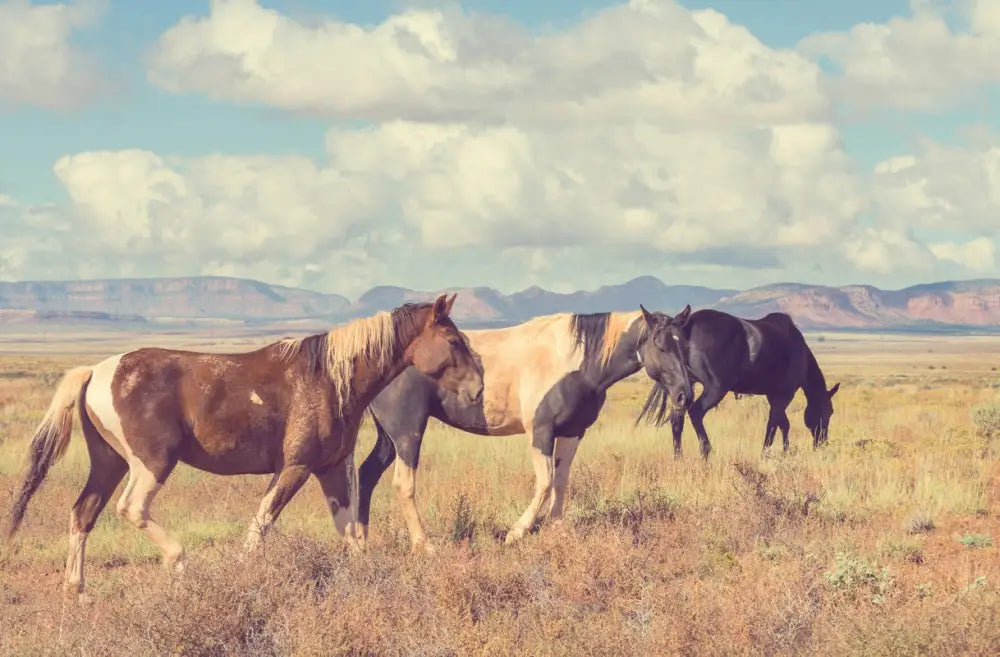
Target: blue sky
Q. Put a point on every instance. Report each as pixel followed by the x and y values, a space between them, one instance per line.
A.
pixel 180 123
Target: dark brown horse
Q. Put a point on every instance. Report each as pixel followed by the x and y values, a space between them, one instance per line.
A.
pixel 767 356
pixel 291 409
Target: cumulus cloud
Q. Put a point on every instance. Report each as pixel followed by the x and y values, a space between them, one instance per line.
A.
pixel 943 186
pixel 649 60
pixel 977 255
pixel 681 192
pixel 918 62
pixel 644 139
pixel 38 65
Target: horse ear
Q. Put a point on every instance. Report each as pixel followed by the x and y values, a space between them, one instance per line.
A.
pixel 648 317
pixel 440 309
pixel 682 317
pixel 833 390
pixel 451 302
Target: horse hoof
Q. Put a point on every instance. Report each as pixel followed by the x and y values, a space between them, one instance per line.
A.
pixel 513 536
pixel 79 597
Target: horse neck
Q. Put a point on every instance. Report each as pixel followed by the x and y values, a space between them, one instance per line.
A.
pixel 815 383
pixel 369 378
pixel 624 361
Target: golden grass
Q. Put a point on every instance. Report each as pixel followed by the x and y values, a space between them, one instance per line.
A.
pixel 742 555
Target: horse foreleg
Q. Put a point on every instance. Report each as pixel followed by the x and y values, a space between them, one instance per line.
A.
pixel 542 446
pixel 564 453
pixel 677 427
pixel 381 457
pixel 404 482
pixel 777 419
pixel 709 399
pixel 340 488
pixel 283 487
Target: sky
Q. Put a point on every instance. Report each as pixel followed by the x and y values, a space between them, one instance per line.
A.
pixel 338 145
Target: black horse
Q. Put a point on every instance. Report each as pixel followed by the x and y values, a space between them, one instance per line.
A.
pixel 767 356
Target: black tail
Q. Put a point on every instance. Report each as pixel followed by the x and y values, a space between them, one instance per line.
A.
pixel 50 440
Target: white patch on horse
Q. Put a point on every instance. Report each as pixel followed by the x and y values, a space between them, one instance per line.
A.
pixel 255 398
pixel 101 402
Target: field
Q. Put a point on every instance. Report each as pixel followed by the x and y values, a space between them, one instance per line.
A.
pixel 884 542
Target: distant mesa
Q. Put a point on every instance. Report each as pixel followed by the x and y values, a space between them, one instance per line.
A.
pixel 217 300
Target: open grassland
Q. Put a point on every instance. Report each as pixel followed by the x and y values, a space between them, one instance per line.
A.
pixel 885 542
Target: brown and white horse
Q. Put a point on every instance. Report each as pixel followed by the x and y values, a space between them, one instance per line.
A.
pixel 291 409
pixel 546 378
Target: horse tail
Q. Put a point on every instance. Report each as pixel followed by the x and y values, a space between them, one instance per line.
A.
pixel 50 440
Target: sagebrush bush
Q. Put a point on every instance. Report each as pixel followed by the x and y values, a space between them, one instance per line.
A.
pixel 986 420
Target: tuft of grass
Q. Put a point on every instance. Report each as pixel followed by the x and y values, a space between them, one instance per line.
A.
pixel 853 575
pixel 976 540
pixel 920 524
pixel 463 525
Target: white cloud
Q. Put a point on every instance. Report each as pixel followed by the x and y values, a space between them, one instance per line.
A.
pixel 918 62
pixel 787 186
pixel 644 139
pixel 136 204
pixel 977 255
pixel 943 187
pixel 38 66
pixel 648 60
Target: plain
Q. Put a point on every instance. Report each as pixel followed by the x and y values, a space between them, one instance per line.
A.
pixel 884 542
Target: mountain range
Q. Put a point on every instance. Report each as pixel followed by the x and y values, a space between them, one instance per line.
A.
pixel 200 300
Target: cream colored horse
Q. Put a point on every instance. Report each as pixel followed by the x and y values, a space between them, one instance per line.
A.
pixel 546 378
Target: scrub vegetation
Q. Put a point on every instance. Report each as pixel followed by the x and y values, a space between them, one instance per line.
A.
pixel 884 542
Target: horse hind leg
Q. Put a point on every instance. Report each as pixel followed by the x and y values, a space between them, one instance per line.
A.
pixel 106 471
pixel 135 502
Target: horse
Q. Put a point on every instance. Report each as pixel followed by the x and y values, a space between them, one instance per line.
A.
pixel 767 356
pixel 546 378
pixel 290 409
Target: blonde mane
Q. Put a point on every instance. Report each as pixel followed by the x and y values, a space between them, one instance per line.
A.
pixel 600 333
pixel 335 352
pixel 618 323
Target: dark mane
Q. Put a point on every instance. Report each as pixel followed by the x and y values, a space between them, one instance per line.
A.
pixel 404 317
pixel 588 331
pixel 655 410
pixel 815 383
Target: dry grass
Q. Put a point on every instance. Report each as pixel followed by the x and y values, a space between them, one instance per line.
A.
pixel 883 543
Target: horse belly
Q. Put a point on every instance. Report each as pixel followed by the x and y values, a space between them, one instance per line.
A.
pixel 249 445
pixel 571 406
pixel 502 411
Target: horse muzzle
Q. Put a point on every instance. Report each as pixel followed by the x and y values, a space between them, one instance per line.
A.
pixel 472 394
